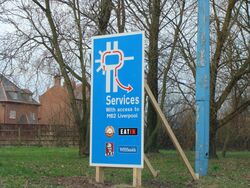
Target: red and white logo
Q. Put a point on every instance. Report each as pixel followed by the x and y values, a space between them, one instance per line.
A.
pixel 113 67
pixel 109 149
pixel 109 131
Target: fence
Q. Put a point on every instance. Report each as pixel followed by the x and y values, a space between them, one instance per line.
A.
pixel 38 135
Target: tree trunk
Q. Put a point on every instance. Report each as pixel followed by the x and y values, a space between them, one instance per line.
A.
pixel 212 145
pixel 212 134
pixel 60 60
pixel 83 128
pixel 81 141
pixel 121 16
pixel 104 16
pixel 224 149
pixel 86 124
pixel 152 78
pixel 83 122
pixel 222 36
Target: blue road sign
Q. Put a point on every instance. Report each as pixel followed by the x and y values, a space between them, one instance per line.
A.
pixel 117 98
pixel 202 89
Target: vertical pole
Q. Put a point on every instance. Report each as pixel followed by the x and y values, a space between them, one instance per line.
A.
pixel 136 177
pixel 99 175
pixel 39 136
pixel 202 89
pixel 19 135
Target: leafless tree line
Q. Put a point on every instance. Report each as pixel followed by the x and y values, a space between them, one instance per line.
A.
pixel 52 35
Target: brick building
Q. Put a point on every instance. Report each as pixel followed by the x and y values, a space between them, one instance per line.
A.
pixel 55 105
pixel 16 105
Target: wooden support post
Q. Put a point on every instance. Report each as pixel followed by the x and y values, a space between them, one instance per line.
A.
pixel 99 176
pixel 19 135
pixel 169 131
pixel 152 170
pixel 39 136
pixel 136 177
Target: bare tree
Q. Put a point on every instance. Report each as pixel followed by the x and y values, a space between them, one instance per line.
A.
pixel 51 32
pixel 224 29
pixel 226 32
pixel 51 35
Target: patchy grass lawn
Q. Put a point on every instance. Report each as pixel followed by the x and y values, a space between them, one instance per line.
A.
pixel 61 167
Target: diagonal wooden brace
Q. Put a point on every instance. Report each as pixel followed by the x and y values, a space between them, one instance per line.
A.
pixel 169 131
pixel 152 170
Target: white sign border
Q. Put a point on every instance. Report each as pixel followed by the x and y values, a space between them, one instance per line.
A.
pixel 142 103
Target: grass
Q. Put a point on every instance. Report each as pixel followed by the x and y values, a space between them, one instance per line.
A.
pixel 55 167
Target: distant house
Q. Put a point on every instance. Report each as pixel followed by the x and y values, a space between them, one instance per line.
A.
pixel 55 105
pixel 16 105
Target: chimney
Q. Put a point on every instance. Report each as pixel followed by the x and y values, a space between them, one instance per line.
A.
pixel 73 83
pixel 57 80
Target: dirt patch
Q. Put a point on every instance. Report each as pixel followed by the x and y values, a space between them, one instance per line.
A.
pixel 156 184
pixel 79 182
pixel 87 182
pixel 248 177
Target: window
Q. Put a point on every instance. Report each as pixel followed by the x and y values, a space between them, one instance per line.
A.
pixel 13 95
pixel 12 114
pixel 33 116
pixel 30 98
pixel 27 97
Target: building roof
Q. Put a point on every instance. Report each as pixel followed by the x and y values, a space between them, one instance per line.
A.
pixel 9 92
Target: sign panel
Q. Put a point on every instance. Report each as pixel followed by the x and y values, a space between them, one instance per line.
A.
pixel 117 98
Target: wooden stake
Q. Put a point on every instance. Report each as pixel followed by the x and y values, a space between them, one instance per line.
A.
pixel 19 135
pixel 169 130
pixel 152 170
pixel 99 176
pixel 136 177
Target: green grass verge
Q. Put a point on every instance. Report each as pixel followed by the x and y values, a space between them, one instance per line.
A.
pixel 46 167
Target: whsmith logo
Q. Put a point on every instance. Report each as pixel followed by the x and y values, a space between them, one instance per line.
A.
pixel 127 149
pixel 127 131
